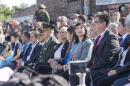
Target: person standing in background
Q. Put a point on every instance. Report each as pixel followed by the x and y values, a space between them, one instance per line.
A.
pixel 41 15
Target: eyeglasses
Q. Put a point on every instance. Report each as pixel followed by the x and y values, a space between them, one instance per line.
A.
pixel 96 22
pixel 43 31
pixel 62 32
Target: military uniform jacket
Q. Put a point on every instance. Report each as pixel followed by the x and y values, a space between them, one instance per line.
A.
pixel 47 51
pixel 43 17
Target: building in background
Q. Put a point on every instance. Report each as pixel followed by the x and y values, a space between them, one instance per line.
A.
pixel 122 6
pixel 68 7
pixel 61 7
pixel 25 14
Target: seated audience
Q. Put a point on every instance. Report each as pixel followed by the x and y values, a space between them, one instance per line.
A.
pixel 26 46
pixel 35 48
pixel 7 58
pixel 61 48
pixel 105 51
pixel 17 46
pixel 47 50
pixel 81 48
pixel 121 69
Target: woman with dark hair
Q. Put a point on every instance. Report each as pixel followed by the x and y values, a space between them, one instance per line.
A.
pixel 62 66
pixel 17 46
pixel 82 46
pixel 68 42
pixel 70 38
pixel 82 19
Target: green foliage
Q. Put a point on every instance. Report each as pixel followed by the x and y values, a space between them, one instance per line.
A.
pixel 5 12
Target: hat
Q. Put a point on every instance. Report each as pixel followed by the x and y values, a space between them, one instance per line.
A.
pixel 46 26
pixel 42 6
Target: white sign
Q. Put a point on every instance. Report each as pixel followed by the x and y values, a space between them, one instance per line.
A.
pixel 106 2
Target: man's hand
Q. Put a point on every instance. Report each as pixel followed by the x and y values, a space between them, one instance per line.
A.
pixel 50 60
pixel 65 67
pixel 59 67
pixel 112 72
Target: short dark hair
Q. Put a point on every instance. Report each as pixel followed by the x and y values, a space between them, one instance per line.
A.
pixel 27 34
pixel 83 18
pixel 71 29
pixel 103 17
pixel 15 34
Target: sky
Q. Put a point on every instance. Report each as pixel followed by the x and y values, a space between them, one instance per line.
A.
pixel 11 3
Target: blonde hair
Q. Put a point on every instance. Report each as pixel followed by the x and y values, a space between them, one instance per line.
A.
pixel 113 27
pixel 1 30
pixel 2 37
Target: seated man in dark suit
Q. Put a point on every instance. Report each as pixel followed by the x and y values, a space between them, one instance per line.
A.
pixel 47 51
pixel 105 49
pixel 35 49
pixel 122 69
pixel 26 46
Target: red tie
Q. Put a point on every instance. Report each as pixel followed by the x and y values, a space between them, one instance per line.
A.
pixel 95 47
pixel 97 42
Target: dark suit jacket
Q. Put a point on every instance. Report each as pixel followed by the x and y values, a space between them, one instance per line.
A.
pixel 125 43
pixel 25 54
pixel 35 54
pixel 104 55
pixel 126 67
pixel 64 49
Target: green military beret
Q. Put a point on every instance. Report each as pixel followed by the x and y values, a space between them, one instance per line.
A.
pixel 46 26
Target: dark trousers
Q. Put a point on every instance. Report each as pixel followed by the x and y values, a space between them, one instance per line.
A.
pixel 121 81
pixel 105 80
pixel 44 69
pixel 63 73
pixel 93 74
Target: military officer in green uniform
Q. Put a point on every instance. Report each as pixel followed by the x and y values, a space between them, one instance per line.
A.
pixel 41 15
pixel 49 43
